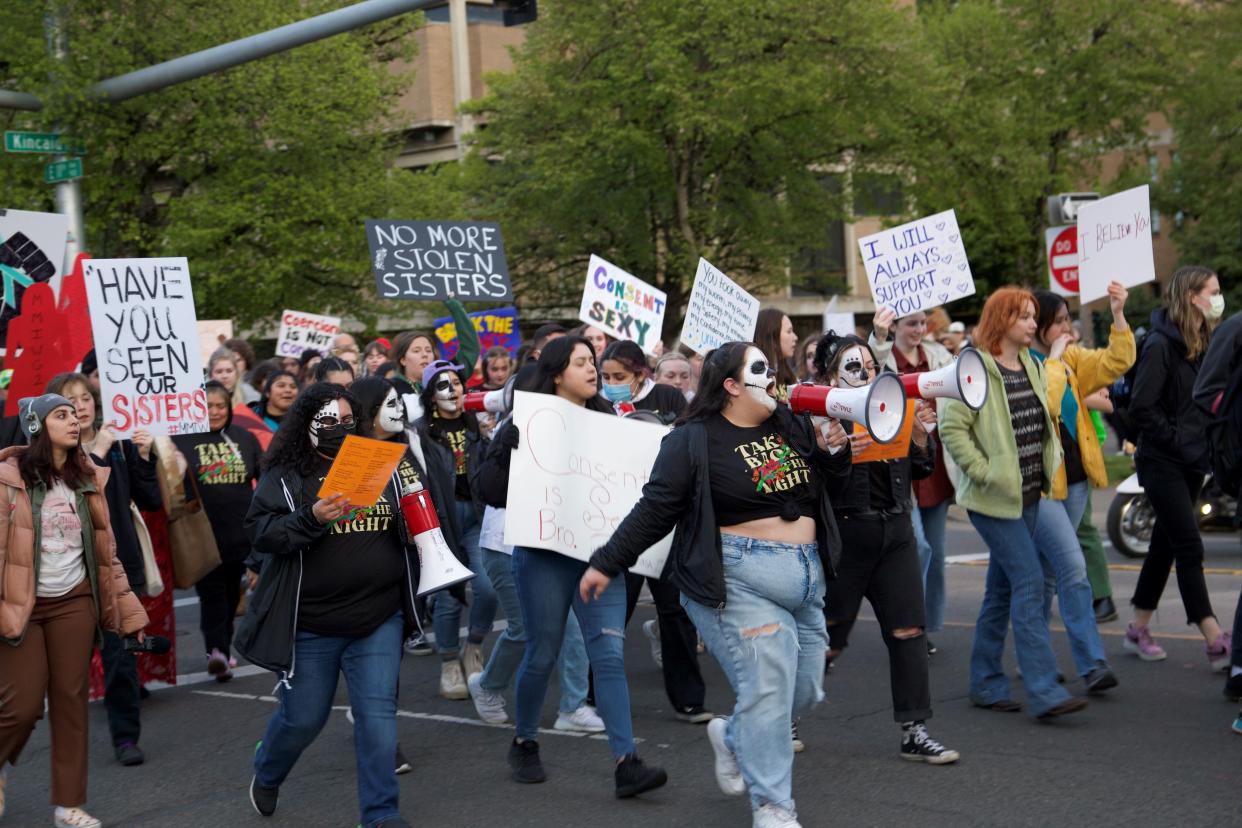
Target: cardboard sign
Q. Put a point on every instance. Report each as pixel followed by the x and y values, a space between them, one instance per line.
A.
pixel 719 311
pixel 211 336
pixel 301 331
pixel 32 249
pixel 622 305
pixel 438 260
pixel 496 329
pixel 918 265
pixel 146 340
pixel 897 448
pixel 574 477
pixel 38 343
pixel 361 469
pixel 1114 243
pixel 75 311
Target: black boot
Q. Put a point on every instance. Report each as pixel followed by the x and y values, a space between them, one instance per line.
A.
pixel 524 762
pixel 633 777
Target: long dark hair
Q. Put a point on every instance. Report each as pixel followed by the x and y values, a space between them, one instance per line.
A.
pixel 36 466
pixel 828 352
pixel 1047 304
pixel 435 424
pixel 554 359
pixel 261 405
pixel 719 365
pixel 768 340
pixel 370 392
pixel 291 447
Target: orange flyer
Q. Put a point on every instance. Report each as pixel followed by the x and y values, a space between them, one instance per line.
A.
pixel 361 469
pixel 899 447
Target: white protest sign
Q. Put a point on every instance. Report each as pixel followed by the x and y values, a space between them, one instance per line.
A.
pixel 574 477
pixel 300 331
pixel 622 305
pixel 918 265
pixel 719 311
pixel 146 339
pixel 1114 243
pixel 839 322
pixel 32 250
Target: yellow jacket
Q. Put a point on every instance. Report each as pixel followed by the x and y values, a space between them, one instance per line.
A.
pixel 1084 371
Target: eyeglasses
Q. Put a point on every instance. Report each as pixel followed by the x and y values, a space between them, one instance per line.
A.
pixel 333 422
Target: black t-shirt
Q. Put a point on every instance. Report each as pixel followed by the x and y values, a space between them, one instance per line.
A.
pixel 409 476
pixel 881 480
pixel 224 465
pixel 1074 471
pixel 665 401
pixel 352 579
pixel 452 433
pixel 755 473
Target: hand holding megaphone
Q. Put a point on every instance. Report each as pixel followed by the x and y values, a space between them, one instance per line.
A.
pixel 924 421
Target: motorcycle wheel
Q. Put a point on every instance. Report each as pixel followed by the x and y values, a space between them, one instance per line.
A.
pixel 1130 520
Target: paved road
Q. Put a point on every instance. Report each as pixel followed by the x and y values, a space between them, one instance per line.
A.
pixel 1157 751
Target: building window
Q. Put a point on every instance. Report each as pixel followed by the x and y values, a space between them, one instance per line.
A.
pixel 877 194
pixel 819 269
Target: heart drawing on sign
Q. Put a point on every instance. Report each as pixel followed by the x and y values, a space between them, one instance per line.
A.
pixel 962 266
pixel 947 259
pixel 944 297
pixel 954 237
pixel 965 284
pixel 940 226
pixel 927 295
pixel 947 280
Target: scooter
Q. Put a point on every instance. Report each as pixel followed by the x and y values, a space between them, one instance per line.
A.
pixel 1130 516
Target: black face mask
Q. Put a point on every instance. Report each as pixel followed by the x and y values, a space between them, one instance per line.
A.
pixel 331 438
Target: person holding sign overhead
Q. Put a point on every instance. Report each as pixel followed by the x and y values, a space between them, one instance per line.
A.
pixel 335 595
pixel 742 484
pixel 880 560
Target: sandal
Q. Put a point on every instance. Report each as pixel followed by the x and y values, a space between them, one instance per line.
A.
pixel 74 818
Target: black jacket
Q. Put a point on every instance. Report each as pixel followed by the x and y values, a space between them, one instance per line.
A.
pixel 490 480
pixel 133 479
pixel 1223 357
pixel 678 498
pixel 851 492
pixel 443 466
pixel 1170 425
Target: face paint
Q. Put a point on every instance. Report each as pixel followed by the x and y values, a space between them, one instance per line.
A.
pixel 757 378
pixel 853 372
pixel 446 399
pixel 328 429
pixel 389 416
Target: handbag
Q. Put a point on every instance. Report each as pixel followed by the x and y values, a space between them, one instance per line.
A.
pixel 150 569
pixel 190 537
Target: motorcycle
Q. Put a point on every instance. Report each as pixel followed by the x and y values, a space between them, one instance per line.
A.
pixel 1130 516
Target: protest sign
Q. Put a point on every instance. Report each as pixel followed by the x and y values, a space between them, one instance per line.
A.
pixel 918 265
pixel 74 310
pixel 146 340
pixel 719 311
pixel 574 477
pixel 301 331
pixel 38 343
pixel 211 336
pixel 1114 243
pixel 361 469
pixel 438 260
pixel 622 305
pixel 32 249
pixel 496 328
pixel 894 450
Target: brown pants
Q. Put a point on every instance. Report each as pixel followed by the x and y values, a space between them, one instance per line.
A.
pixel 54 661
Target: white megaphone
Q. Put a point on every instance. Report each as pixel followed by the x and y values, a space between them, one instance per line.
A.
pixel 499 401
pixel 879 407
pixel 965 380
pixel 438 566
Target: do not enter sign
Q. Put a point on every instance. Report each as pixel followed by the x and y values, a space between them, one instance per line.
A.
pixel 1062 244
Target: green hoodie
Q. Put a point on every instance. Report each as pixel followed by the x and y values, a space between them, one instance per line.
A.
pixel 983 446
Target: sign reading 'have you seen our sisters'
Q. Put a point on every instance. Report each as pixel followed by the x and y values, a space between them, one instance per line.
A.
pixel 438 260
pixel 918 265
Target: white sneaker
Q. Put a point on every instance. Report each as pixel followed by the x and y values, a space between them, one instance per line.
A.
pixel 452 682
pixel 774 816
pixel 349 715
pixel 472 658
pixel 582 720
pixel 73 818
pixel 728 774
pixel 798 744
pixel 652 631
pixel 490 706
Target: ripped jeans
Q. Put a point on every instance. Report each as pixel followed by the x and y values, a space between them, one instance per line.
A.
pixel 770 640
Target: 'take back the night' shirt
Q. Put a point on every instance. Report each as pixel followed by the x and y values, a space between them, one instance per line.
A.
pixel 223 465
pixel 452 432
pixel 755 474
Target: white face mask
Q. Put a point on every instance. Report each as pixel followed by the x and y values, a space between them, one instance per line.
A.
pixel 853 372
pixel 389 416
pixel 1216 309
pixel 445 399
pixel 757 377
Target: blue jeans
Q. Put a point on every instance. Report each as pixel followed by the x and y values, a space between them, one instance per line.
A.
pixel 929 531
pixel 446 612
pixel 370 666
pixel 770 641
pixel 1014 593
pixel 510 646
pixel 547 588
pixel 1065 573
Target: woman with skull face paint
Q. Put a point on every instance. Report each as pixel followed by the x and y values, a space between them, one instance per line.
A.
pixel 336 595
pixel 880 561
pixel 742 480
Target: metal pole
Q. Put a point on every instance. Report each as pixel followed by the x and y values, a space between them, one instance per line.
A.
pixel 228 55
pixel 459 32
pixel 19 100
pixel 68 194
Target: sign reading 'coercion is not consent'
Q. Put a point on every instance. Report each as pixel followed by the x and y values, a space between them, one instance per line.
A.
pixel 438 260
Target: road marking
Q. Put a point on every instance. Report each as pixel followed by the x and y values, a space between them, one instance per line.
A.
pixel 966 559
pixel 981 559
pixel 185 602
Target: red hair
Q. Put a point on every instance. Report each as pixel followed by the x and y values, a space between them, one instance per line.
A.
pixel 1002 310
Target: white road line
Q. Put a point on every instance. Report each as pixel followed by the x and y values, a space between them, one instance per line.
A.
pixel 185 602
pixel 960 559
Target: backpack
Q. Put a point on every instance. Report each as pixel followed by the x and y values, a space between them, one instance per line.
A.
pixel 1121 392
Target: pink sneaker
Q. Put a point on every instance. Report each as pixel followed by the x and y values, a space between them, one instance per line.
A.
pixel 218 666
pixel 1138 640
pixel 1218 653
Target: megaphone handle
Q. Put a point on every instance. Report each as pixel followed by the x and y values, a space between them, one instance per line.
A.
pixel 824 424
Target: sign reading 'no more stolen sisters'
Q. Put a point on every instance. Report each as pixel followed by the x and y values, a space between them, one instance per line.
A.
pixel 918 265
pixel 146 339
pixel 438 260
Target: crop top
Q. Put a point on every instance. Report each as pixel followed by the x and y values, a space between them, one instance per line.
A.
pixel 755 473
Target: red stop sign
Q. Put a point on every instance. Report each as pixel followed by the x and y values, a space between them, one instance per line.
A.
pixel 1063 258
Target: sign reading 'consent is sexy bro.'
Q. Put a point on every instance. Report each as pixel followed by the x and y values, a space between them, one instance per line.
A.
pixel 438 260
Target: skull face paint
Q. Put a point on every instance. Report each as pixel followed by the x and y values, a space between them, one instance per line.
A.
pixel 388 418
pixel 854 371
pixel 445 394
pixel 328 428
pixel 758 377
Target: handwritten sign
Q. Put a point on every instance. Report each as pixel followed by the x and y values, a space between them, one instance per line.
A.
pixel 438 260
pixel 622 305
pixel 32 250
pixel 301 331
pixel 574 477
pixel 496 329
pixel 361 469
pixel 1114 243
pixel 719 311
pixel 899 447
pixel 146 340
pixel 38 346
pixel 918 265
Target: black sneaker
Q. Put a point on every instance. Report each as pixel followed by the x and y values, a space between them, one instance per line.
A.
pixel 695 715
pixel 1105 610
pixel 524 764
pixel 931 647
pixel 129 754
pixel 1100 678
pixel 633 777
pixel 917 745
pixel 402 764
pixel 1233 688
pixel 263 799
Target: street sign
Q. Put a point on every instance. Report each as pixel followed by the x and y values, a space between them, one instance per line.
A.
pixel 1062 244
pixel 63 170
pixel 45 143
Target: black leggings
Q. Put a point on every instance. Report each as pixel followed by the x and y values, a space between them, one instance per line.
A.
pixel 880 562
pixel 218 593
pixel 1173 493
pixel 679 640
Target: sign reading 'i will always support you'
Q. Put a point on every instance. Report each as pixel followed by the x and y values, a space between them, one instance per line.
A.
pixel 438 260
pixel 918 265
